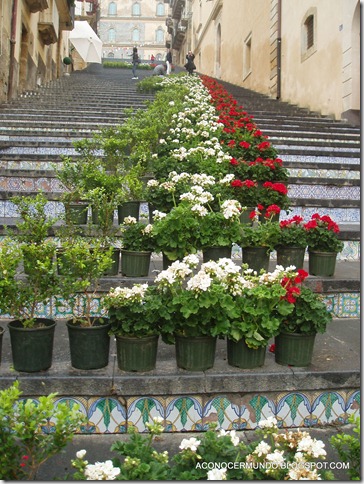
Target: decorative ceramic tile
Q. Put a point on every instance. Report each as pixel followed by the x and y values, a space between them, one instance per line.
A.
pixel 324 192
pixel 319 159
pixel 317 173
pixel 183 413
pixel 292 408
pixel 222 411
pixel 142 410
pixel 327 407
pixel 106 415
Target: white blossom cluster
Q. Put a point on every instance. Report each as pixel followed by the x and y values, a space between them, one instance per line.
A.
pixel 232 434
pixel 134 294
pixel 101 471
pixel 191 444
pixel 217 474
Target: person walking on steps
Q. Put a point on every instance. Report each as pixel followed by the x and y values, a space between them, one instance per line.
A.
pixel 169 61
pixel 135 60
pixel 190 65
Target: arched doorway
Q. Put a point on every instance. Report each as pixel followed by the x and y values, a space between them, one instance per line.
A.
pixel 218 52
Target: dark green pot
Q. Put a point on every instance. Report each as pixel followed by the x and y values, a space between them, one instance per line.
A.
pixel 240 355
pixel 96 217
pixel 216 253
pixel 89 346
pixel 321 263
pixel 114 269
pixel 291 256
pixel 166 262
pixel 128 209
pixel 76 213
pixel 135 264
pixel 257 258
pixel 294 349
pixel 137 354
pixel 244 217
pixel 195 353
pixel 32 348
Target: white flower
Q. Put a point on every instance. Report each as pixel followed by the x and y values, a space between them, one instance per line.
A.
pixel 262 449
pixel 269 423
pixel 101 471
pixel 312 447
pixel 232 434
pixel 276 457
pixel 191 444
pixel 80 454
pixel 216 475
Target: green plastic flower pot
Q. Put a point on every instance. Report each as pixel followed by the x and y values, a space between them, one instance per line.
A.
pixel 216 253
pixel 128 209
pixel 294 349
pixel 240 355
pixel 195 353
pixel 135 264
pixel 136 354
pixel 291 256
pixel 32 348
pixel 89 346
pixel 76 213
pixel 257 258
pixel 321 263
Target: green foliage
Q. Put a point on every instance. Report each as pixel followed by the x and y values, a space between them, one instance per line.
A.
pixel 32 432
pixel 261 235
pixel 309 314
pixel 125 65
pixel 292 233
pixel 137 236
pixel 150 84
pixel 348 448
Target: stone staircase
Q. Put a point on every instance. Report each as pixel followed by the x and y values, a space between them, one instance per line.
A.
pixel 323 157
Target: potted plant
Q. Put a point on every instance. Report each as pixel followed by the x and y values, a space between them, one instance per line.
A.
pixel 272 193
pixel 323 245
pixel 83 263
pixel 137 246
pixel 292 242
pixel 260 239
pixel 295 342
pixel 26 295
pixel 133 315
pixel 268 169
pixel 246 192
pixel 194 309
pixel 261 301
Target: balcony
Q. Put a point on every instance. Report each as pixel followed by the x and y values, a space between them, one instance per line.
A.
pixel 48 25
pixel 66 14
pixel 36 5
pixel 177 7
pixel 178 38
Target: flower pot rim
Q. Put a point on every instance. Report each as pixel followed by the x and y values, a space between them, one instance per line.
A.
pixel 322 252
pixel 135 251
pixel 17 324
pixel 296 334
pixel 130 337
pixel 95 324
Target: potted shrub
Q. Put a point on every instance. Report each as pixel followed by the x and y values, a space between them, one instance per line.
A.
pixel 134 321
pixel 261 301
pixel 295 342
pixel 272 193
pixel 292 242
pixel 83 263
pixel 137 240
pixel 260 239
pixel 26 295
pixel 194 309
pixel 323 245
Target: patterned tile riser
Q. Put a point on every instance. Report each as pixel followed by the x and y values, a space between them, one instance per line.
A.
pixel 340 215
pixel 344 305
pixel 317 173
pixel 114 415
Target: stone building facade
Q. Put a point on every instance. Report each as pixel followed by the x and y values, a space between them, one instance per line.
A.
pixel 306 52
pixel 32 44
pixel 124 24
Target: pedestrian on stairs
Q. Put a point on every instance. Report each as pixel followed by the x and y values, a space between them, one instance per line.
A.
pixel 190 65
pixel 169 61
pixel 135 60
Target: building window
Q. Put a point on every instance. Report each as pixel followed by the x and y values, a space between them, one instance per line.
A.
pixel 135 35
pixel 308 34
pixel 111 54
pixel 112 9
pixel 160 10
pixel 135 11
pixel 112 35
pixel 159 35
pixel 247 60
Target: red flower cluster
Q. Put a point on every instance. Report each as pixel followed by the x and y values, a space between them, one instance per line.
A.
pixel 292 290
pixel 272 164
pixel 277 187
pixel 296 220
pixel 245 183
pixel 324 221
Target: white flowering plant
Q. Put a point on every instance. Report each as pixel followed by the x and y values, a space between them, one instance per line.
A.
pixel 137 236
pixel 133 311
pixel 217 454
